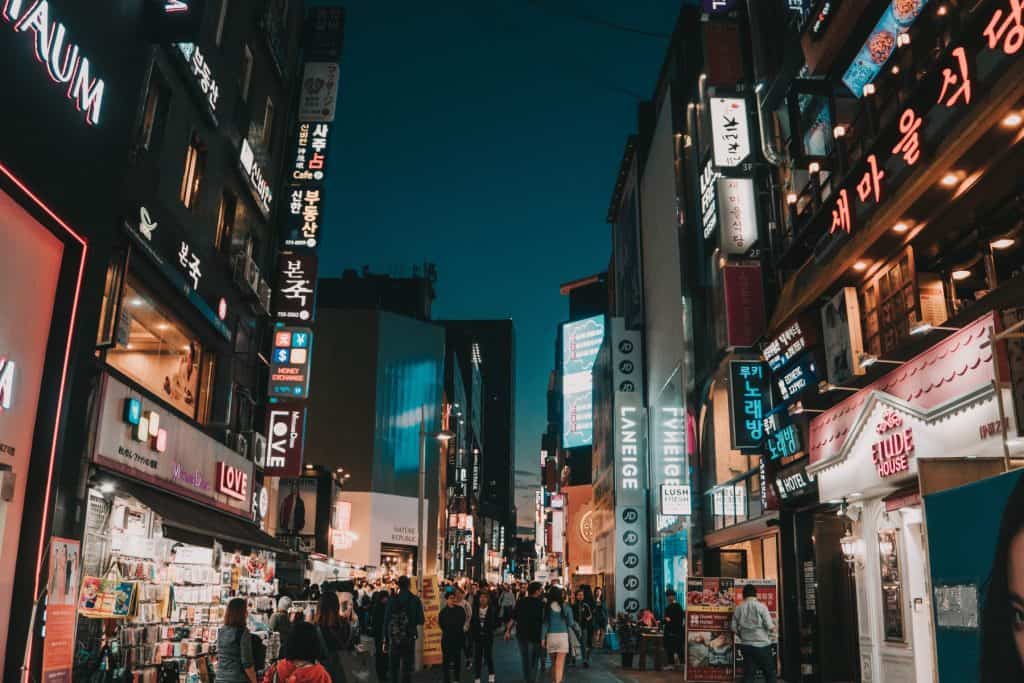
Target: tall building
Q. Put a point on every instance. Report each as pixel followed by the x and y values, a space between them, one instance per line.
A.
pixel 132 390
pixel 410 295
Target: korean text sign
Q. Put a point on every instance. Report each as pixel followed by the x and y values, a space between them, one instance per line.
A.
pixel 749 401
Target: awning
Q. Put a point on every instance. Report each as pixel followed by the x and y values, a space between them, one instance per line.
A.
pixel 196 524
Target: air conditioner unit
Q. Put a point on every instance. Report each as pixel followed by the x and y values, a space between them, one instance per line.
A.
pixel 264 294
pixel 258 449
pixel 241 443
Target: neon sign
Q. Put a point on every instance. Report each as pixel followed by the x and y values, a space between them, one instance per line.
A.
pixel 6 383
pixel 145 425
pixel 232 482
pixel 891 454
pixel 63 59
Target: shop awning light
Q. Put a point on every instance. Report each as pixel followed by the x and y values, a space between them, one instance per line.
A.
pixel 798 409
pixel 900 227
pixel 1012 120
pixel 925 328
pixel 951 179
pixel 959 275
pixel 869 359
pixel 942 10
pixel 108 487
pixel 860 266
pixel 1003 243
pixel 825 387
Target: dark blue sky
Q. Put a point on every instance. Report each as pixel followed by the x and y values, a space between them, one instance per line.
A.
pixel 485 137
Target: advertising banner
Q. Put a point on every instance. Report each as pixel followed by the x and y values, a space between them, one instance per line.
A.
pixel 730 131
pixel 840 324
pixel 743 289
pixel 431 597
pixel 140 439
pixel 289 362
pixel 286 424
pixel 319 94
pixel 106 598
pixel 630 504
pixel 794 380
pixel 295 296
pixel 709 638
pixel 881 43
pixel 310 158
pixel 581 341
pixel 61 600
pixel 626 361
pixel 737 213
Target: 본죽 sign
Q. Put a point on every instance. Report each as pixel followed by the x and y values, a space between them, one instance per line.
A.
pixel 294 297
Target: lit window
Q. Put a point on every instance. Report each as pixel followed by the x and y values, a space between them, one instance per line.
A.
pixel 160 353
pixel 155 111
pixel 195 165
pixel 226 221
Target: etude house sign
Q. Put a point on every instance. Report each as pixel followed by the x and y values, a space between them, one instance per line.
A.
pixel 191 463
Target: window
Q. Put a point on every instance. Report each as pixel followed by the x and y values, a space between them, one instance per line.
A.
pixel 221 17
pixel 226 221
pixel 268 123
pixel 160 353
pixel 155 112
pixel 246 71
pixel 195 165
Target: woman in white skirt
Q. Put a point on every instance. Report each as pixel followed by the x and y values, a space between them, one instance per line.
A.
pixel 555 632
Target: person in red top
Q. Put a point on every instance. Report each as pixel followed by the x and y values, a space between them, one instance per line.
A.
pixel 303 649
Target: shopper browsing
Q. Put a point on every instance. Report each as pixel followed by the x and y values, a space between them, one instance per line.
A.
pixel 235 661
pixel 299 666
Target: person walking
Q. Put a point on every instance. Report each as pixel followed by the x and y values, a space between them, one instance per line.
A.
pixel 403 616
pixel 555 632
pixel 467 605
pixel 600 617
pixel 583 615
pixel 235 661
pixel 377 611
pixel 299 664
pixel 452 621
pixel 505 603
pixel 674 623
pixel 332 635
pixel 755 631
pixel 281 622
pixel 528 622
pixel 482 627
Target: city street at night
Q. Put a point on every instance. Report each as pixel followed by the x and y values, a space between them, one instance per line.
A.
pixel 353 341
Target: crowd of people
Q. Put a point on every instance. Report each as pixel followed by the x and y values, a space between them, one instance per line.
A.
pixel 552 626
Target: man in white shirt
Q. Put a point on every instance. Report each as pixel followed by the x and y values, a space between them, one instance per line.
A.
pixel 755 632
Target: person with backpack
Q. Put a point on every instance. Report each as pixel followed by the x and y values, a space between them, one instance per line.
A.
pixel 377 611
pixel 528 620
pixel 235 660
pixel 299 666
pixel 403 616
pixel 555 632
pixel 482 626
pixel 583 615
pixel 332 635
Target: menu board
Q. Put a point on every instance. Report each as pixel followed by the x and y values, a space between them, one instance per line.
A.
pixel 709 639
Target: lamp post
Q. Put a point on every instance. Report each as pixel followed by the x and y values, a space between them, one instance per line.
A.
pixel 443 436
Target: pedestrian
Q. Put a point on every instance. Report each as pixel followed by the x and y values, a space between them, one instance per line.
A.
pixel 401 619
pixel 505 603
pixel 528 622
pixel 754 629
pixel 235 660
pixel 674 623
pixel 484 623
pixel 281 622
pixel 600 617
pixel 555 633
pixel 332 635
pixel 452 620
pixel 300 663
pixel 377 611
pixel 467 606
pixel 583 614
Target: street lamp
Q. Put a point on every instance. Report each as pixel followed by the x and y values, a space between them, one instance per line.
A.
pixel 443 436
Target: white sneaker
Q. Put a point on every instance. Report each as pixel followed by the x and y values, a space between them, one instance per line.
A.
pixel 490 678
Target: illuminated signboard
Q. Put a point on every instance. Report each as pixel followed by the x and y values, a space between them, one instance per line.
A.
pixel 626 361
pixel 718 6
pixel 791 483
pixel 750 398
pixel 66 64
pixel 892 452
pixel 302 217
pixel 708 205
pixel 897 19
pixel 675 499
pixel 841 332
pixel 973 60
pixel 289 362
pixel 737 214
pixel 784 442
pixel 232 482
pixel 173 21
pixel 310 154
pixel 202 77
pixel 799 377
pixel 7 368
pixel 296 287
pixel 785 347
pixel 286 423
pixel 318 95
pixel 258 183
pixel 730 131
pixel 581 341
pixel 630 521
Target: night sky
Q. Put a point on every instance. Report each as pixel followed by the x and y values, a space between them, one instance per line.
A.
pixel 485 137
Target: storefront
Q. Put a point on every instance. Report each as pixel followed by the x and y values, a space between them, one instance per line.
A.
pixel 925 426
pixel 170 536
pixel 381 534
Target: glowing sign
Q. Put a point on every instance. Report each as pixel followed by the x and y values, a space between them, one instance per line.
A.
pixel 6 383
pixel 750 397
pixel 199 67
pixel 730 131
pixel 581 341
pixel 257 180
pixel 892 453
pixel 897 19
pixel 63 59
pixel 232 482
pixel 145 425
pixel 290 361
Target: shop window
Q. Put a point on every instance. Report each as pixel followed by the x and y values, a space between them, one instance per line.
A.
pixel 226 221
pixel 221 19
pixel 113 287
pixel 246 72
pixel 892 593
pixel 195 167
pixel 161 353
pixel 155 112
